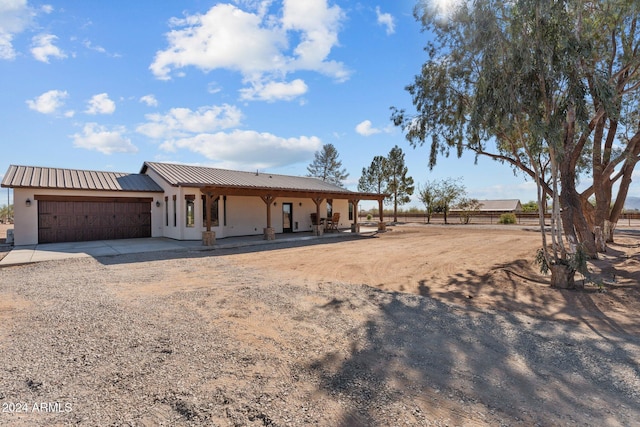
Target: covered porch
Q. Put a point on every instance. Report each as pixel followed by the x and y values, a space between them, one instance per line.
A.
pixel 270 198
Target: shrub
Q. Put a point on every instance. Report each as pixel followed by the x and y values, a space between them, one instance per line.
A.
pixel 507 218
pixel 369 217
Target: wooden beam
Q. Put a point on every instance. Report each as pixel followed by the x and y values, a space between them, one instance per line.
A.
pixel 268 200
pixel 208 199
pixel 288 193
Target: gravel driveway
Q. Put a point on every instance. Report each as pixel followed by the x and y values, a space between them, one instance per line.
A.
pixel 195 339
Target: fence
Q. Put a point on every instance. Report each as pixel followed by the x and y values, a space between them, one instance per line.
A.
pixel 626 219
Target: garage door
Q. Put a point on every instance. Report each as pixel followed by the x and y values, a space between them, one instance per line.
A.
pixel 93 219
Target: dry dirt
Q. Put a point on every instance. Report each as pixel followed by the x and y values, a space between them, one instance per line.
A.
pixel 422 325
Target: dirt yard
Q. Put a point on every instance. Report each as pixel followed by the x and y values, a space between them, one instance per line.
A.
pixel 422 325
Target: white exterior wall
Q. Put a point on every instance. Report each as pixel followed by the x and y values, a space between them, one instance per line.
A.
pixel 26 217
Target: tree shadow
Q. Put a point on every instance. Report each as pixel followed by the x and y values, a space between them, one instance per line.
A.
pixel 420 360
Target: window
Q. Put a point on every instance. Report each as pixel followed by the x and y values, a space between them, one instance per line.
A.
pixel 215 221
pixel 350 211
pixel 191 210
pixel 166 211
pixel 175 211
pixel 329 208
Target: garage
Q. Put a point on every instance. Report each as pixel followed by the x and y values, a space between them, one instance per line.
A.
pixel 84 219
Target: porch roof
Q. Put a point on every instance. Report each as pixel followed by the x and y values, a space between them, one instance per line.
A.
pixel 239 183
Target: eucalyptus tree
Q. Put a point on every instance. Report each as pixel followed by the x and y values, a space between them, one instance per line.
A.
pixel 327 167
pixel 534 83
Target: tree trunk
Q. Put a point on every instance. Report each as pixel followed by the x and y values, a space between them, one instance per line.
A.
pixel 573 220
pixel 562 276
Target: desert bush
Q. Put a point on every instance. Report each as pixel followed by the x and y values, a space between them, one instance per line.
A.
pixel 507 218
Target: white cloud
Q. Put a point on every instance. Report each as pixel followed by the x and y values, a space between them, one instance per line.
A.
pixel 43 48
pixel 256 44
pixel 100 104
pixel 15 17
pixel 150 100
pixel 365 128
pixel 248 150
pixel 182 122
pixel 49 102
pixel 273 91
pixel 387 20
pixel 99 138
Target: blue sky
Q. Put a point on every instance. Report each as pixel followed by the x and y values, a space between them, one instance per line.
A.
pixel 242 84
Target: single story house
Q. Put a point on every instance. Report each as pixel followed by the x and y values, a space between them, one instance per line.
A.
pixel 170 200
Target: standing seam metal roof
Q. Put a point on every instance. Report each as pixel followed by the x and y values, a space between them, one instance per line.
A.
pixel 186 175
pixel 74 179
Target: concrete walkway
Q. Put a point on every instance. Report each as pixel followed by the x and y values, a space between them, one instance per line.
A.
pixel 54 251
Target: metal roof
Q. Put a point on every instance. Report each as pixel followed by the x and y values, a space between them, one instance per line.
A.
pixel 74 179
pixel 508 205
pixel 199 176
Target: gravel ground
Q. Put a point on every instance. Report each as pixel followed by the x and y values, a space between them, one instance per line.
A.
pixel 189 339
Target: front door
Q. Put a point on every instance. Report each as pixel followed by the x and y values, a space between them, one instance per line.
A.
pixel 287 217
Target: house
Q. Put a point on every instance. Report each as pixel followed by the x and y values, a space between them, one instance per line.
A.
pixel 170 200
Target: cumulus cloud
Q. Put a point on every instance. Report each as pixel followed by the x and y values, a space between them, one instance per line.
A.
pixel 365 128
pixel 386 19
pixel 43 48
pixel 49 102
pixel 106 141
pixel 180 122
pixel 100 104
pixel 256 44
pixel 248 150
pixel 150 100
pixel 273 91
pixel 15 17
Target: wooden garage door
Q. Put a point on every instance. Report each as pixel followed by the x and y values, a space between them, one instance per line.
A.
pixel 93 219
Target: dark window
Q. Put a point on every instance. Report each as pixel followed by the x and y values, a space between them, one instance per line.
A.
pixel 175 212
pixel 166 211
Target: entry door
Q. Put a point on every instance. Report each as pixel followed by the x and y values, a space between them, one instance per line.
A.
pixel 287 217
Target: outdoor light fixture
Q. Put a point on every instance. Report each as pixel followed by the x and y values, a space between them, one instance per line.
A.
pixel 157 203
pixel 28 202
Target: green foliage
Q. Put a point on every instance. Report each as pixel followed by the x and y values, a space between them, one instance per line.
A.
pixel 374 178
pixel 6 213
pixel 369 217
pixel 399 184
pixel 327 167
pixel 467 208
pixel 507 218
pixel 530 206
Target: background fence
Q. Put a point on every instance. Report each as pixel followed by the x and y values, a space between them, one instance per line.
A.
pixel 627 219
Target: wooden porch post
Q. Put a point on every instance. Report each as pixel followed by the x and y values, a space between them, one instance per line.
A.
pixel 317 228
pixel 269 232
pixel 208 237
pixel 381 225
pixel 355 227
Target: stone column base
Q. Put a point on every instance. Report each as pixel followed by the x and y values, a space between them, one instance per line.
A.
pixel 355 228
pixel 317 230
pixel 208 238
pixel 269 233
pixel 382 226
